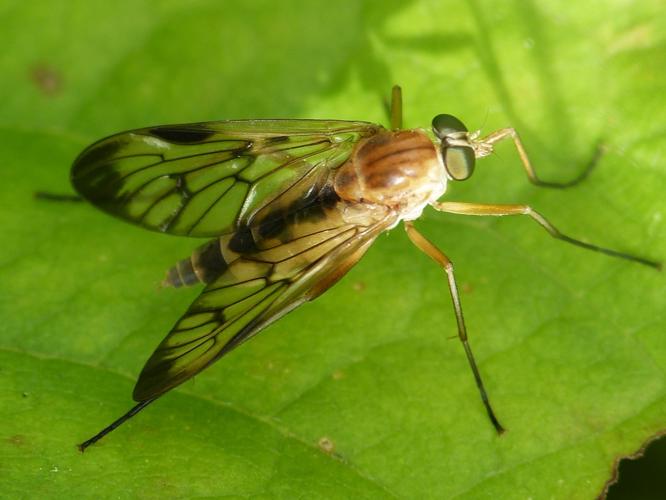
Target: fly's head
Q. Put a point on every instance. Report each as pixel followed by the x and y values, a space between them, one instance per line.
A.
pixel 459 147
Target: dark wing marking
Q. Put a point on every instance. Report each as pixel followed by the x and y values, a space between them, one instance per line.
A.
pixel 212 178
pixel 251 293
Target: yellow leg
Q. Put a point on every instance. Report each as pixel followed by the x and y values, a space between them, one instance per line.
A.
pixel 396 108
pixel 438 256
pixel 499 210
pixel 511 133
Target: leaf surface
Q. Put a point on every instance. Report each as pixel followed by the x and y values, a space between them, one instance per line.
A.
pixel 360 394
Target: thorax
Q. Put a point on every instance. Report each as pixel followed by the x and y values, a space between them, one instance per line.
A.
pixel 392 171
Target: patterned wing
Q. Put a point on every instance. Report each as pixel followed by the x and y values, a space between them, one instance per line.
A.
pixel 209 179
pixel 257 287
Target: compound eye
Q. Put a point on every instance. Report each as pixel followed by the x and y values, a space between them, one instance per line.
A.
pixel 443 125
pixel 459 161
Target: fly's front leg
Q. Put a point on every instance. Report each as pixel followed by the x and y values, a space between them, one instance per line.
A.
pixel 438 256
pixel 499 210
pixel 485 146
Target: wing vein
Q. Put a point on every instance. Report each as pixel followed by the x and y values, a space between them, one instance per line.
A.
pixel 215 332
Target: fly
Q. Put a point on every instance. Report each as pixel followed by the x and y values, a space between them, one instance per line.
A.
pixel 288 206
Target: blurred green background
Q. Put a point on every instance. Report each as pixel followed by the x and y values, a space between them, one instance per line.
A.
pixel 360 394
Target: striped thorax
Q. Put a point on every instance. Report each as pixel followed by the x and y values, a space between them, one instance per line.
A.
pixel 401 171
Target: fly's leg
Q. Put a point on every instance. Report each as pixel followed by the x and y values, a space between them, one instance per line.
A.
pixel 485 147
pixel 44 195
pixel 117 423
pixel 499 210
pixel 438 256
pixel 394 108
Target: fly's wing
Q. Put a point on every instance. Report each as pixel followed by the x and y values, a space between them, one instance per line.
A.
pixel 263 187
pixel 208 179
pixel 259 286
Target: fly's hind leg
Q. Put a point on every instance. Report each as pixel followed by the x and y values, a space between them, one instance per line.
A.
pixel 45 195
pixel 438 256
pixel 499 210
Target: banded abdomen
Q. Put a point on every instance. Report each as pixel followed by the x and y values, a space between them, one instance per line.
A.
pixel 204 265
pixel 286 229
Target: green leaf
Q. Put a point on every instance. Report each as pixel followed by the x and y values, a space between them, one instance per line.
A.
pixel 360 394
